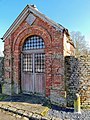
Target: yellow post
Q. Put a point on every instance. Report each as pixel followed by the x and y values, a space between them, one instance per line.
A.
pixel 77 103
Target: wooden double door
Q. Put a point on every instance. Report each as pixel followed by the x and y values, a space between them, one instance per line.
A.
pixel 33 72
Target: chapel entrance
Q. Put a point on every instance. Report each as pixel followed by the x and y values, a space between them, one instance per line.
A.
pixel 33 66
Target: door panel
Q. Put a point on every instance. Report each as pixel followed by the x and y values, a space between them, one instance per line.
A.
pixel 27 73
pixel 39 72
pixel 27 63
pixel 33 73
pixel 39 62
pixel 40 83
pixel 27 83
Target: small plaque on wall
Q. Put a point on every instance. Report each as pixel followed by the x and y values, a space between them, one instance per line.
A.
pixel 30 19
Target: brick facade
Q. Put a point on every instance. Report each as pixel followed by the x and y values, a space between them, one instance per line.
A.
pixel 54 57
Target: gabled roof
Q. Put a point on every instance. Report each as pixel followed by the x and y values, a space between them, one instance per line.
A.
pixel 27 10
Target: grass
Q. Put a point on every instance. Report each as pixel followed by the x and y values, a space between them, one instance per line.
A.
pixel 85 107
pixel 2 97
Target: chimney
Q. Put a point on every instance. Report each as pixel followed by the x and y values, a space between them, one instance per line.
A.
pixel 34 6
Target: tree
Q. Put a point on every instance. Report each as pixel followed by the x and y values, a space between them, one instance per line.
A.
pixel 80 43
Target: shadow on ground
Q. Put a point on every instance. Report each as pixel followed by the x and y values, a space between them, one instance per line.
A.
pixel 35 99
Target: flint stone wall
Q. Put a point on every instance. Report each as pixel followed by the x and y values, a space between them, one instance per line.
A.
pixel 77 78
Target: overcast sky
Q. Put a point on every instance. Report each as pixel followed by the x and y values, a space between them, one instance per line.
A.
pixel 72 14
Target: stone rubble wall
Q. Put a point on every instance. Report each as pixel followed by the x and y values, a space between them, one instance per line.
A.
pixel 77 78
pixel 1 72
pixel 1 68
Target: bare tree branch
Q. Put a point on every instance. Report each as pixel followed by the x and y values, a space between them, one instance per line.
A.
pixel 80 43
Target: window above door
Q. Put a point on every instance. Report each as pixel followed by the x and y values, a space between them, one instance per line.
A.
pixel 33 42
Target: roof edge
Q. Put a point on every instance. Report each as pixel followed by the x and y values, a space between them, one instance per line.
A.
pixel 17 21
pixel 24 14
pixel 45 18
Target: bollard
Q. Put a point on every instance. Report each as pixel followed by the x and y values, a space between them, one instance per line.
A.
pixel 77 103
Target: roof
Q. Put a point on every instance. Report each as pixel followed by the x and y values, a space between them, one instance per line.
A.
pixel 27 10
pixel 31 9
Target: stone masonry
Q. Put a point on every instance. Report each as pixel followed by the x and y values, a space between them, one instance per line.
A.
pixel 78 78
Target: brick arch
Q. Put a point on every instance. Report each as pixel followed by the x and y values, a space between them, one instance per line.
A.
pixel 17 47
pixel 36 30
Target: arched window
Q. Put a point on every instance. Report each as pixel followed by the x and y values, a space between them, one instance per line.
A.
pixel 33 42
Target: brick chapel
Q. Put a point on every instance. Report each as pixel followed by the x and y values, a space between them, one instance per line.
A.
pixel 34 51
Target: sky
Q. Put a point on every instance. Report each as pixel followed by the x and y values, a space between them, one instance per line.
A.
pixel 72 14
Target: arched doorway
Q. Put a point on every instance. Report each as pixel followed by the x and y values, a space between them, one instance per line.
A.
pixel 33 66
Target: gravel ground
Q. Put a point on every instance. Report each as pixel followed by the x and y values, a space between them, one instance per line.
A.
pixel 55 112
pixel 63 115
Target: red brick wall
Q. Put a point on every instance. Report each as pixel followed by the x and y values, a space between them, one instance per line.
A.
pixel 53 50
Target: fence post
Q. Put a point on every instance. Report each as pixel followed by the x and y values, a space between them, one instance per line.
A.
pixel 77 103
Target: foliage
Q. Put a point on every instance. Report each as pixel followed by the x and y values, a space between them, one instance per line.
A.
pixel 85 107
pixel 2 96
